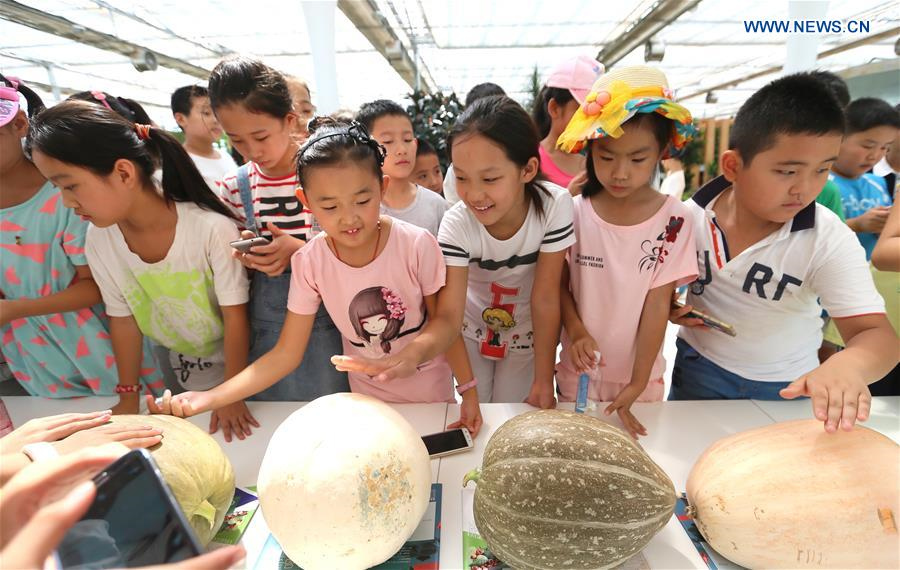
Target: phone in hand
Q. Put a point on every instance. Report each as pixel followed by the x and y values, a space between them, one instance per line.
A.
pixel 244 245
pixel 711 322
pixel 448 442
pixel 133 521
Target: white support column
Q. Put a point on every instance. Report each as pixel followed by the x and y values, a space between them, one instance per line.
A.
pixel 803 49
pixel 319 16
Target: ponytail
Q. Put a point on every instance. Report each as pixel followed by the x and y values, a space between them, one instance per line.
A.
pixel 540 112
pixel 35 104
pixel 61 132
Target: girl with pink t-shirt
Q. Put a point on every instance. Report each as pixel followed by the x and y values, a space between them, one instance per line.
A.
pixel 633 245
pixel 378 278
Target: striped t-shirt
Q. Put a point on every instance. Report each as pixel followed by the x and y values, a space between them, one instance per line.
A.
pixel 501 272
pixel 274 200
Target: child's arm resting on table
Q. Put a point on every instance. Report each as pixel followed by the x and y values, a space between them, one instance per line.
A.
pixel 128 348
pixel 583 346
pixel 839 386
pixel 234 418
pixel 270 368
pixel 545 319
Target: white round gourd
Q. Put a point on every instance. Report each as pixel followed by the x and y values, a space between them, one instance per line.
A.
pixel 344 482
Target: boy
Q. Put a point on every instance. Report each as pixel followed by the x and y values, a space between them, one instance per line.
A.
pixel 767 254
pixel 871 127
pixel 427 172
pixel 190 106
pixel 389 124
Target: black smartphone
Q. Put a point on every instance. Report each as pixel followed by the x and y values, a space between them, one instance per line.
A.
pixel 133 521
pixel 711 322
pixel 448 442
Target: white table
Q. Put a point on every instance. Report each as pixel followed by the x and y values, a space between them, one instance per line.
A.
pixel 678 433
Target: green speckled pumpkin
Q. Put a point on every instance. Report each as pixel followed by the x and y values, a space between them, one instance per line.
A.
pixel 564 490
pixel 195 468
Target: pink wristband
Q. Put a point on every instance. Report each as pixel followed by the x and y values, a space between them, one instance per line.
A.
pixel 467 386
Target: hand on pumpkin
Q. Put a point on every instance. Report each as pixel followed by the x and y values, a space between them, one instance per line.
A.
pixel 41 502
pixel 130 437
pixel 622 406
pixel 469 413
pixel 836 400
pixel 50 429
pixel 541 395
pixel 233 418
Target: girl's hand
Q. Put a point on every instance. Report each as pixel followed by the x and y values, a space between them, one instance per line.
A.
pixel 622 406
pixel 677 315
pixel 50 429
pixel 469 413
pixel 838 400
pixel 541 395
pixel 128 404
pixel 183 405
pixel 575 185
pixel 234 418
pixel 274 258
pixel 378 369
pixel 130 437
pixel 581 353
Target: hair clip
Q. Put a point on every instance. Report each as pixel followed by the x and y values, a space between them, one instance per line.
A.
pixel 357 133
pixel 101 97
pixel 143 131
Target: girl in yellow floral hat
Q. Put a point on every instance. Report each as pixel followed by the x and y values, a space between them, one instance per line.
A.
pixel 633 246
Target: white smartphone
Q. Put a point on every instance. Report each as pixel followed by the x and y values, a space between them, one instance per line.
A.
pixel 448 442
pixel 244 245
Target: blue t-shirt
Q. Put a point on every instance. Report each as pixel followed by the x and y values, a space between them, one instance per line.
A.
pixel 859 195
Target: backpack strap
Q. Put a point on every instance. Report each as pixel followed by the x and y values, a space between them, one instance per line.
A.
pixel 243 181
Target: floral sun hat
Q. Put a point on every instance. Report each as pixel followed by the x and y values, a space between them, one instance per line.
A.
pixel 615 98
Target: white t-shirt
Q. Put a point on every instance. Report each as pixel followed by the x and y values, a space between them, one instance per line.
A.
pixel 426 210
pixel 883 168
pixel 501 272
pixel 176 301
pixel 450 194
pixel 214 169
pixel 770 292
pixel 673 184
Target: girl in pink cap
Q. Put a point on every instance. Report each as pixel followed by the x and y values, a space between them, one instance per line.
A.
pixel 565 89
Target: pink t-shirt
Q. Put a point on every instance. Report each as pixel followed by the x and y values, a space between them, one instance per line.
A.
pixel 551 171
pixel 612 269
pixel 378 308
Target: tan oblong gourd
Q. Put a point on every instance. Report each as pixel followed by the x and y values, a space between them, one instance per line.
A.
pixel 563 490
pixel 789 495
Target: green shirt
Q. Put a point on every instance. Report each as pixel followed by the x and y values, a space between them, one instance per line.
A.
pixel 830 197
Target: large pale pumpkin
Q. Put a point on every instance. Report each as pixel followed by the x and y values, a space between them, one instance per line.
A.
pixel 564 490
pixel 789 495
pixel 344 483
pixel 195 468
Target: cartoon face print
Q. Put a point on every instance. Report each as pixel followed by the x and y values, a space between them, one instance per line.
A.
pixel 377 315
pixel 374 325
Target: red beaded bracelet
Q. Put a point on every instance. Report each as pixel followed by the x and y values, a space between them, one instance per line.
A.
pixel 132 389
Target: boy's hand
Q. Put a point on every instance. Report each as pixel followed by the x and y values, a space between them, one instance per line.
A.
pixel 274 258
pixel 233 418
pixel 677 315
pixel 622 405
pixel 541 395
pixel 469 413
pixel 183 405
pixel 872 222
pixel 836 400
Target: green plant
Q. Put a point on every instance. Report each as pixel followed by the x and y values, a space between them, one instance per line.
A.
pixel 533 88
pixel 691 156
pixel 433 116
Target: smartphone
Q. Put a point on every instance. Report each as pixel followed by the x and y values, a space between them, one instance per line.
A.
pixel 133 521
pixel 244 245
pixel 707 320
pixel 448 442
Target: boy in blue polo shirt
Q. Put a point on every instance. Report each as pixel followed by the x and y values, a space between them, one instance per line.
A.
pixel 767 254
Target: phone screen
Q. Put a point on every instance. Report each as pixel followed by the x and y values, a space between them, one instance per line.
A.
pixel 133 521
pixel 445 441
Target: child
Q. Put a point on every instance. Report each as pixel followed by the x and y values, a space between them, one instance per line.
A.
pixel 403 199
pixel 54 334
pixel 427 172
pixel 377 276
pixel 768 254
pixel 564 91
pixel 190 107
pixel 254 105
pixel 302 104
pixel 633 247
pixel 128 108
pixel 505 245
pixel 161 259
pixel 871 127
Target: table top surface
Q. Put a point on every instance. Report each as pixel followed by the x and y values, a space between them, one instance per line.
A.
pixel 678 433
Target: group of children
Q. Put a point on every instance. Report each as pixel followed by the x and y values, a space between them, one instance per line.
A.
pixel 372 282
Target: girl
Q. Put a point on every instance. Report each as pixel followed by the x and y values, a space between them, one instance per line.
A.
pixel 377 277
pixel 254 105
pixel 161 260
pixel 54 335
pixel 128 108
pixel 565 90
pixel 633 245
